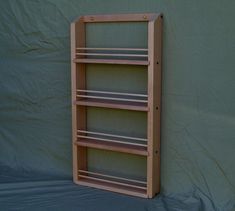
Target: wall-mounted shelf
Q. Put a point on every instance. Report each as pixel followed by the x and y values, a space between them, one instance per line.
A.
pixel 127 56
pixel 83 98
pixel 128 101
pixel 126 144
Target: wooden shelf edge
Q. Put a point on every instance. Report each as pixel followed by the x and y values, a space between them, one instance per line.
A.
pixel 115 105
pixel 111 61
pixel 112 188
pixel 113 147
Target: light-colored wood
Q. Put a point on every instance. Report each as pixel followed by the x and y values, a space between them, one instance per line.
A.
pixel 112 54
pixel 78 82
pixel 110 146
pixel 112 141
pixel 113 49
pixel 154 93
pixel 113 135
pixel 119 18
pixel 112 61
pixel 112 98
pixel 113 177
pixel 74 111
pixel 83 139
pixel 113 188
pixel 112 93
pixel 117 105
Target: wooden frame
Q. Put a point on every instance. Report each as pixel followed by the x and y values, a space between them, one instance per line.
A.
pixel 150 103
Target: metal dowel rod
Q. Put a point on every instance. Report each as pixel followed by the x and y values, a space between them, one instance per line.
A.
pixel 112 141
pixel 113 49
pixel 112 135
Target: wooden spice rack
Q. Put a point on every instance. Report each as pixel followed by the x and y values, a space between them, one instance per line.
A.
pixel 150 103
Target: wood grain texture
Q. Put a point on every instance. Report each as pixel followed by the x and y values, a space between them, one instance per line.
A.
pixel 73 97
pixel 154 104
pixel 78 82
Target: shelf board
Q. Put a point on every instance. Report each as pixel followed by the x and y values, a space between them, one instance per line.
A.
pixel 113 104
pixel 112 187
pixel 131 149
pixel 112 61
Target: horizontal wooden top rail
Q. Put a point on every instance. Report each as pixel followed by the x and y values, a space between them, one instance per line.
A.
pixel 112 141
pixel 112 135
pixel 145 17
pixel 111 49
pixel 112 93
pixel 113 177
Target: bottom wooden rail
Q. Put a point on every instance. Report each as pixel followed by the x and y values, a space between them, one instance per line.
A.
pixel 133 181
pixel 112 183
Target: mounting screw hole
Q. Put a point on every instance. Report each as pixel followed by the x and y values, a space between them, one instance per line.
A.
pixel 157 108
pixel 157 62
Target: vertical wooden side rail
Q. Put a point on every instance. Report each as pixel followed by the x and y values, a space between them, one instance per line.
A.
pixel 154 104
pixel 78 79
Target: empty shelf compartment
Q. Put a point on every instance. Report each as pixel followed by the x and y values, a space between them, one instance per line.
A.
pixel 116 183
pixel 126 144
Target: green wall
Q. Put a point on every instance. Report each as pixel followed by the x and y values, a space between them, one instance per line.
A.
pixel 198 90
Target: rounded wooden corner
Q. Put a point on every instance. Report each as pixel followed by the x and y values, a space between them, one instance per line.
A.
pixel 79 19
pixel 155 17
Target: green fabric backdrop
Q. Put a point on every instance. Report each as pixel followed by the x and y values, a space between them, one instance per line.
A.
pixel 198 103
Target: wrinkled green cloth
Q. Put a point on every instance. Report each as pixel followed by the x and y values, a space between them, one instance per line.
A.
pixel 198 105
